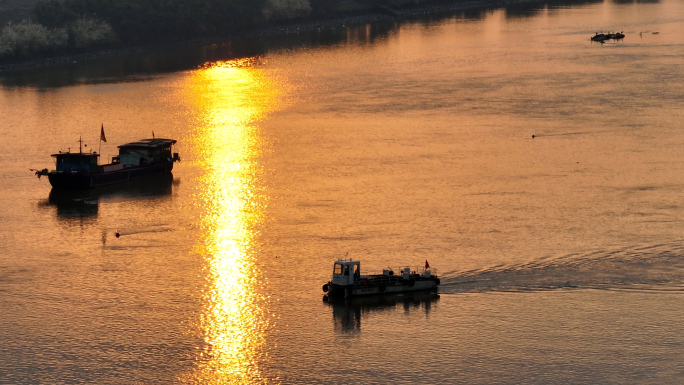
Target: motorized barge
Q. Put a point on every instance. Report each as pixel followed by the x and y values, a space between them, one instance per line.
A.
pixel 79 171
pixel 347 280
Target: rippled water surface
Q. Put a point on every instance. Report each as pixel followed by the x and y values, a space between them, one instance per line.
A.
pixel 540 173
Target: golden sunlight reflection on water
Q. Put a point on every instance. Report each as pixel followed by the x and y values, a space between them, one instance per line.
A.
pixel 228 98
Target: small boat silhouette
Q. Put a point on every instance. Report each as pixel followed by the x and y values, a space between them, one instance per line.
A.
pixel 601 37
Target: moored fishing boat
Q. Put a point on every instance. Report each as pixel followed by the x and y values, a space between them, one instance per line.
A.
pixel 80 170
pixel 347 280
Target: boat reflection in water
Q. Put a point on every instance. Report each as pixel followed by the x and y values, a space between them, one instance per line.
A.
pixel 86 203
pixel 348 313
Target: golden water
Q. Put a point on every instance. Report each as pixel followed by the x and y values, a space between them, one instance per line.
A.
pixel 560 255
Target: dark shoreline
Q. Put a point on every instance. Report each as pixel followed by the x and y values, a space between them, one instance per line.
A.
pixel 271 29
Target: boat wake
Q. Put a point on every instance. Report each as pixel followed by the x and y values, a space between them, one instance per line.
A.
pixel 658 268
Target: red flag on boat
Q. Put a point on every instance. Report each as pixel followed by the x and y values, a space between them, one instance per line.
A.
pixel 152 134
pixel 102 135
pixel 427 265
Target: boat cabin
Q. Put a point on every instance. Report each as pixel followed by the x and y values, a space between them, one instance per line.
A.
pixel 145 152
pixel 345 271
pixel 76 162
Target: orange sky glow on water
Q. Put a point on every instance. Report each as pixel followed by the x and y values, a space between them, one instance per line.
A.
pixel 228 99
pixel 560 255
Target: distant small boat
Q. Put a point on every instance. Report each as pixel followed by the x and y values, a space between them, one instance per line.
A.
pixel 80 170
pixel 601 37
pixel 347 281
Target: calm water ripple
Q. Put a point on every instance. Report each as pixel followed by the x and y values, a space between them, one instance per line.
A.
pixel 540 173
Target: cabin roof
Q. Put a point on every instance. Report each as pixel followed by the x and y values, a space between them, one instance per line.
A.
pixel 77 154
pixel 347 262
pixel 149 143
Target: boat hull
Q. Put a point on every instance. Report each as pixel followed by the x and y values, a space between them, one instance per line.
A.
pixel 400 286
pixel 82 181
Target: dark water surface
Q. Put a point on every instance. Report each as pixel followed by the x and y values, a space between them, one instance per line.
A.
pixel 561 256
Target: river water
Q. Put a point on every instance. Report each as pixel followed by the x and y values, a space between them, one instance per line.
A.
pixel 561 255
